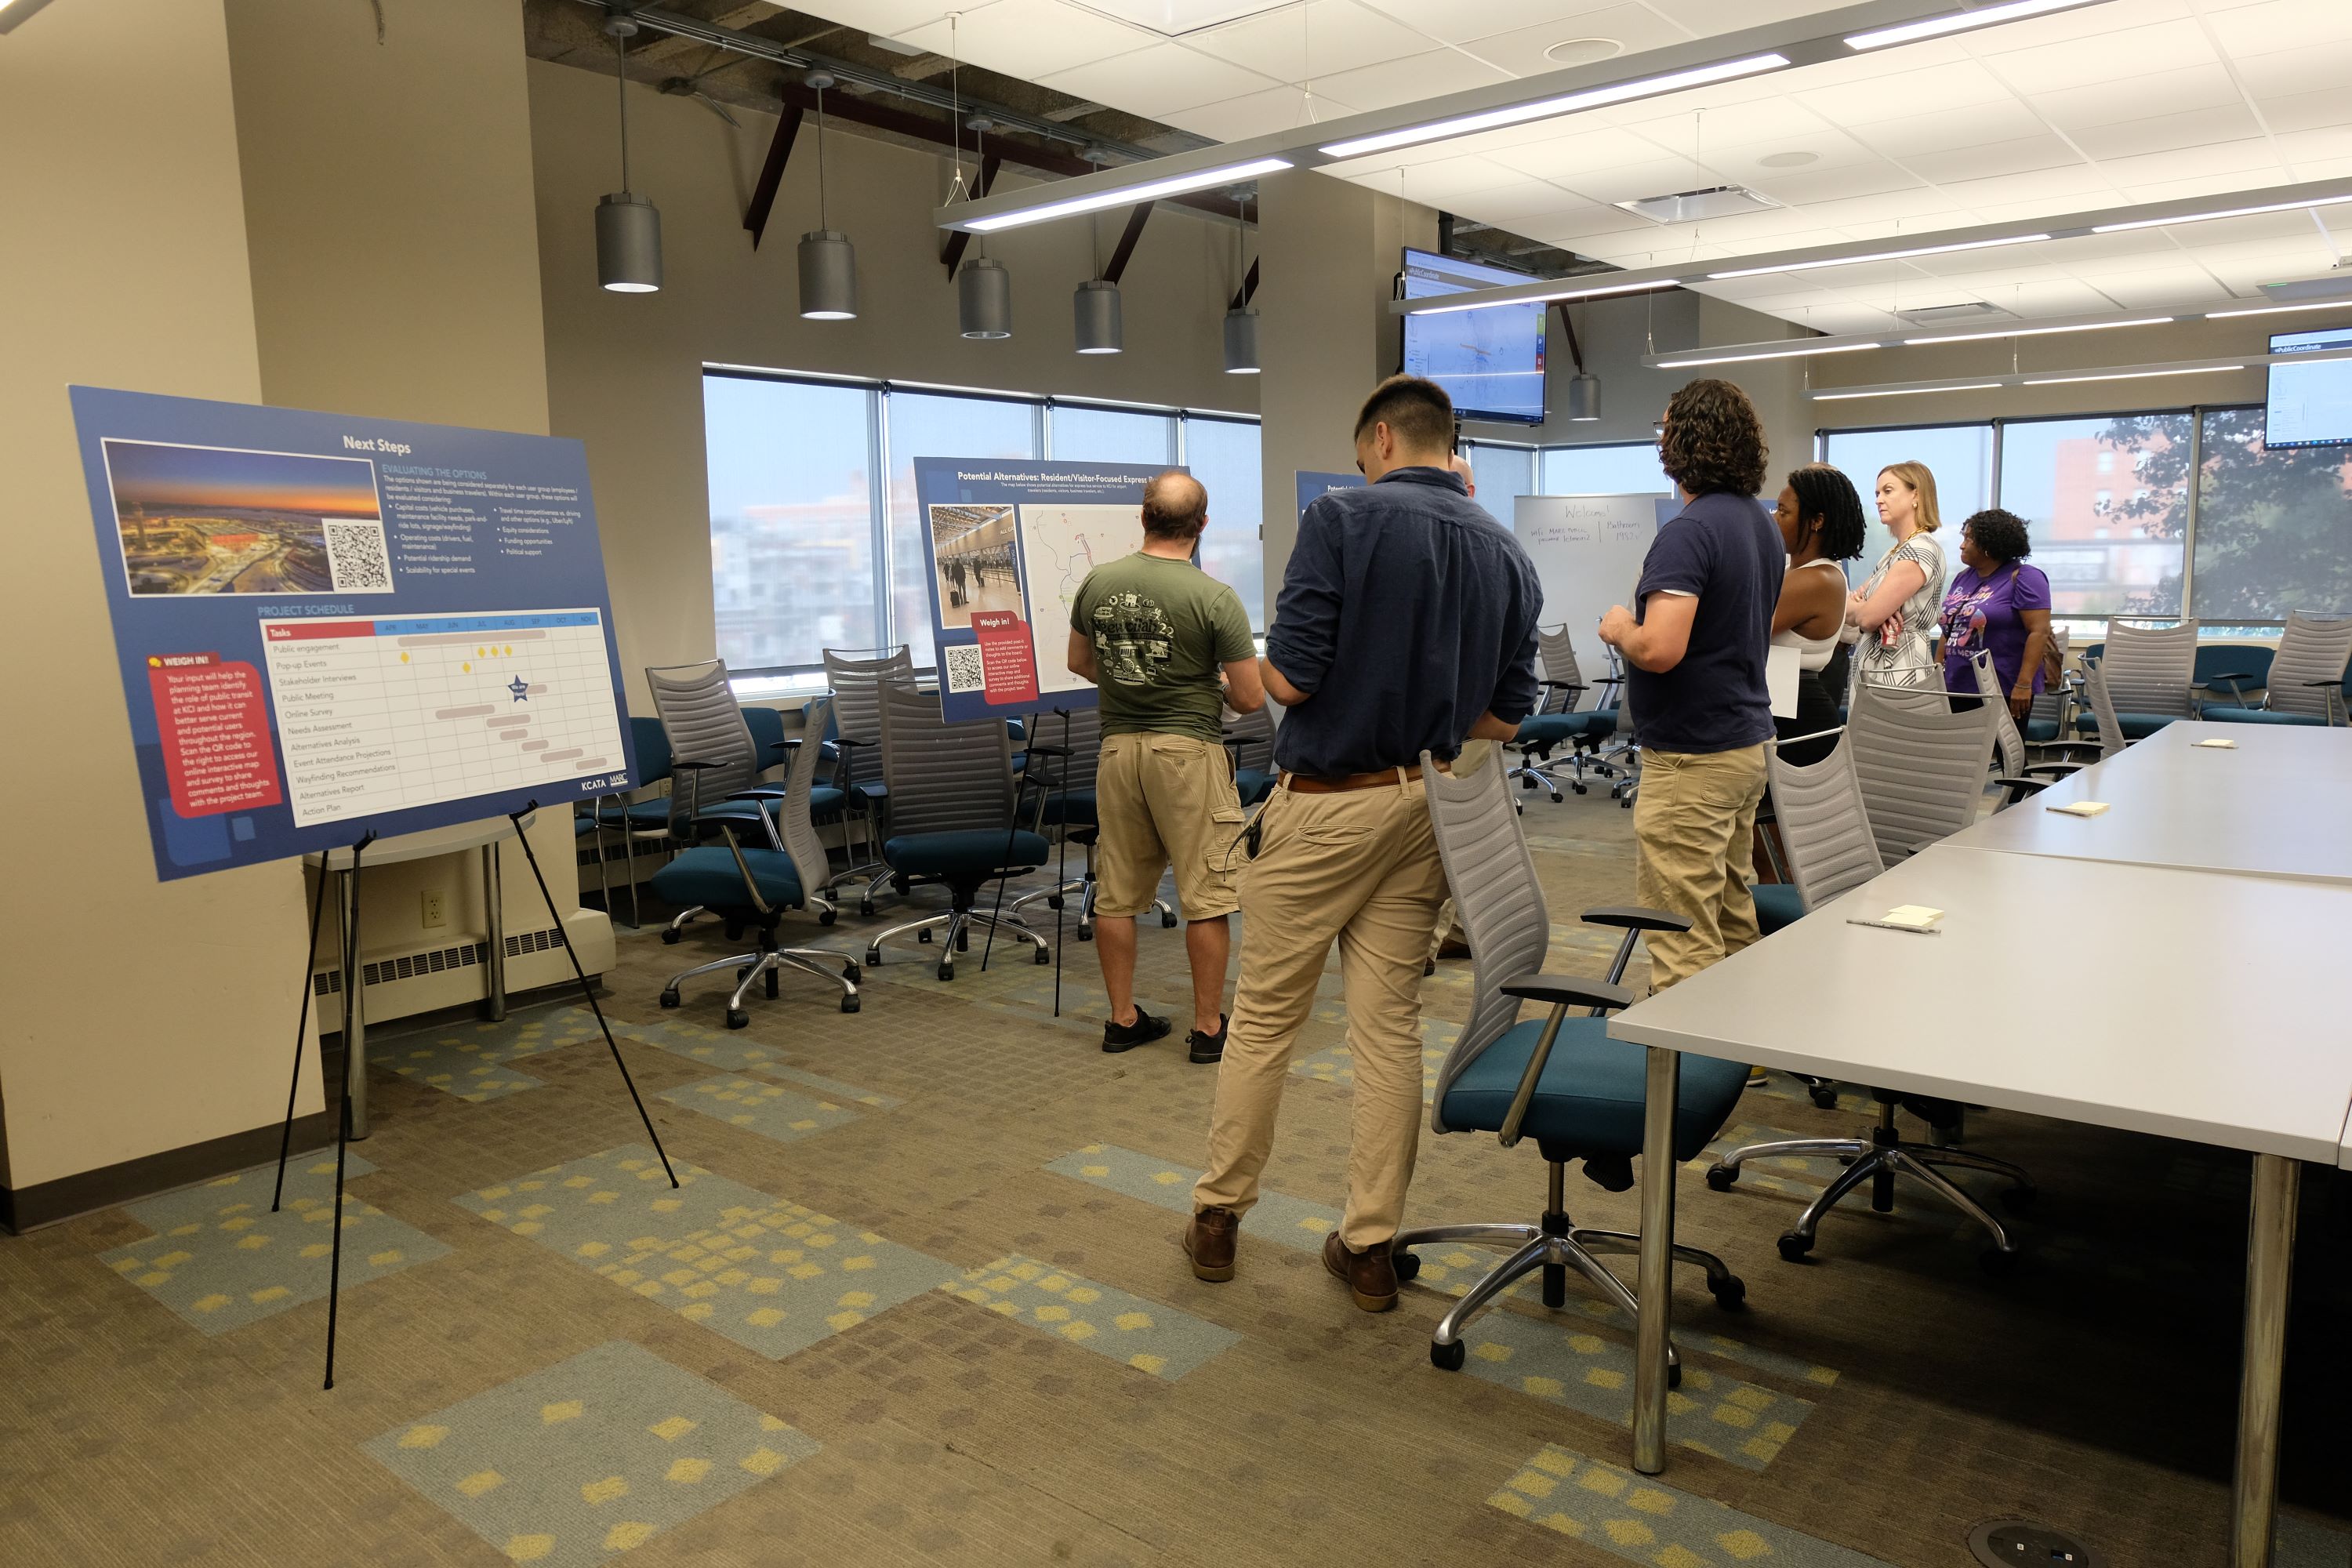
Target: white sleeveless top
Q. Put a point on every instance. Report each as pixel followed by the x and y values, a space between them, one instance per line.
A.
pixel 1813 653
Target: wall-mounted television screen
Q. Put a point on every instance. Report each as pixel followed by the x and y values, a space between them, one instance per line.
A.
pixel 2309 405
pixel 1491 363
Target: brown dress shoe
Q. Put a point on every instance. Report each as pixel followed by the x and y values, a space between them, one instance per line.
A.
pixel 1209 1241
pixel 1370 1275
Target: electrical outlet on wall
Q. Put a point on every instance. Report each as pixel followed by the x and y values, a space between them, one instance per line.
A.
pixel 437 907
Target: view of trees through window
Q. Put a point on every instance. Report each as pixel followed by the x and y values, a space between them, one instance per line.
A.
pixel 2271 527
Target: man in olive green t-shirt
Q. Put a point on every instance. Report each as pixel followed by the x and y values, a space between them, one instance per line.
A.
pixel 1153 632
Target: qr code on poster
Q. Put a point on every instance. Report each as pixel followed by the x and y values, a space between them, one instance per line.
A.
pixel 966 669
pixel 355 556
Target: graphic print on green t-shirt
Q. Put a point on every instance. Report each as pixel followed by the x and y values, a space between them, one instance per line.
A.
pixel 1160 628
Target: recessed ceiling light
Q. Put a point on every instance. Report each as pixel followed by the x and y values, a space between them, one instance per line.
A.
pixel 1552 108
pixel 1788 160
pixel 2130 375
pixel 1583 51
pixel 1960 22
pixel 1900 391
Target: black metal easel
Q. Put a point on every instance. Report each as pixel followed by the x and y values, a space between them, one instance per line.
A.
pixel 1060 869
pixel 349 960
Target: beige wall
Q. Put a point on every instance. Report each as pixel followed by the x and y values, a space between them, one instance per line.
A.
pixel 624 371
pixel 138 1016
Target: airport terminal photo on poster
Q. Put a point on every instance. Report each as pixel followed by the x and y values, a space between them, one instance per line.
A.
pixel 1007 543
pixel 328 624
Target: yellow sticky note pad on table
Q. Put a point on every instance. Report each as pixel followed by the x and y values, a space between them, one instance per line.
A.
pixel 2081 808
pixel 2219 743
pixel 1916 915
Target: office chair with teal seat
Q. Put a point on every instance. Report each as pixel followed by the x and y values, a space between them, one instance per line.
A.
pixel 1557 720
pixel 950 817
pixel 856 685
pixel 2151 673
pixel 768 856
pixel 1561 1080
pixel 1064 759
pixel 2306 679
pixel 645 818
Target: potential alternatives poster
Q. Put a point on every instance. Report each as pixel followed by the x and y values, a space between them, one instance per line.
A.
pixel 1008 542
pixel 328 625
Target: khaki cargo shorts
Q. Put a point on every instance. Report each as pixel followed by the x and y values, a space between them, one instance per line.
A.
pixel 1164 800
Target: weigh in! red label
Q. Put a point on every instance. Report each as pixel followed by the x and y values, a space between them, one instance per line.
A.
pixel 216 730
pixel 1008 659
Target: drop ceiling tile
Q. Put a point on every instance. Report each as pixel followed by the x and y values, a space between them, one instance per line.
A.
pixel 1253 114
pixel 1634 28
pixel 2077 187
pixel 2223 186
pixel 2092 25
pixel 1584 221
pixel 2262 28
pixel 1766 230
pixel 1706 16
pixel 2131 96
pixel 2309 66
pixel 1506 207
pixel 1949 130
pixel 1773 122
pixel 1632 181
pixel 1410 81
pixel 1452 178
pixel 1568 152
pixel 1912 206
pixel 891 18
pixel 2307 111
pixel 2306 147
pixel 1318 39
pixel 1813 184
pixel 2046 67
pixel 1457 21
pixel 1029 38
pixel 1157 81
pixel 2016 157
pixel 2169 133
pixel 2254 161
pixel 1892 95
pixel 2168 288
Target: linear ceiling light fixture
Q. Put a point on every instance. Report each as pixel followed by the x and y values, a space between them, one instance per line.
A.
pixel 1797 350
pixel 1594 292
pixel 2278 310
pixel 1548 108
pixel 1961 22
pixel 2037 331
pixel 1904 391
pixel 2128 375
pixel 2338 199
pixel 1129 195
pixel 1881 255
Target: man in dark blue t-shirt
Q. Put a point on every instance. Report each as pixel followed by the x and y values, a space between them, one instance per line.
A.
pixel 1694 654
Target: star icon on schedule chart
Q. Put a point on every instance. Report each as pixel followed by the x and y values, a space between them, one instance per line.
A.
pixel 521 693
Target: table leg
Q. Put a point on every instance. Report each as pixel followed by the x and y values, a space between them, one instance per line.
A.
pixel 1655 1273
pixel 494 1006
pixel 2270 1263
pixel 354 1009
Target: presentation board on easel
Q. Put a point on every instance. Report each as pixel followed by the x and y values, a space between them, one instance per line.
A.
pixel 1588 553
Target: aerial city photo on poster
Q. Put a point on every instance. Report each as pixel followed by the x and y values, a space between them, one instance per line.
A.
pixel 216 520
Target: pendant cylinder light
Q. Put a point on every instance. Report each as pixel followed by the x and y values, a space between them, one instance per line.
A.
pixel 985 298
pixel 628 227
pixel 1095 305
pixel 1240 341
pixel 828 262
pixel 1584 398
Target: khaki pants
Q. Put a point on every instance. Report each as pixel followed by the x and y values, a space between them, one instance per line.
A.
pixel 1361 868
pixel 1163 800
pixel 1693 826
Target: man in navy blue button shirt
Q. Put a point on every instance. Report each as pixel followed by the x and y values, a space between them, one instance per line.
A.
pixel 1406 624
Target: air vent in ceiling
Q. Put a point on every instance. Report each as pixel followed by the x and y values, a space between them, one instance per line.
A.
pixel 1695 206
pixel 1945 315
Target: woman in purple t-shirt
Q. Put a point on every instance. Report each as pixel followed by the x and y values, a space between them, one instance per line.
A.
pixel 2000 603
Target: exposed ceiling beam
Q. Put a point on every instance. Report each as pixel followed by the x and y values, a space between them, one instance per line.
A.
pixel 1119 258
pixel 771 174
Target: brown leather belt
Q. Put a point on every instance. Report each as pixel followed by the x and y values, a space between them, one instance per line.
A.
pixel 1382 778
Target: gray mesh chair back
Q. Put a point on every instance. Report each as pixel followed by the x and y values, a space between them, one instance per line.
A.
pixel 2151 670
pixel 1497 897
pixel 2103 706
pixel 1922 766
pixel 2050 702
pixel 1825 828
pixel 856 684
pixel 1251 736
pixel 2006 738
pixel 809 861
pixel 1083 736
pixel 699 714
pixel 943 777
pixel 1563 680
pixel 2311 650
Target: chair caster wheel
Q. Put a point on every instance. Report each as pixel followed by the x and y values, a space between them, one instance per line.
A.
pixel 900 885
pixel 734 930
pixel 1053 900
pixel 1167 922
pixel 851 973
pixel 963 940
pixel 1823 1095
pixel 738 1019
pixel 1085 933
pixel 1428 967
pixel 826 917
pixel 947 971
pixel 670 936
pixel 1674 1375
pixel 669 997
pixel 1732 1296
pixel 1997 1264
pixel 1527 784
pixel 1794 1247
pixel 2018 1200
pixel 849 1004
pixel 1578 788
pixel 872 957
pixel 1720 1177
pixel 1448 1358
pixel 865 908
pixel 1043 957
pixel 1407 1266
pixel 1557 797
pixel 924 934
pixel 1520 806
pixel 742 974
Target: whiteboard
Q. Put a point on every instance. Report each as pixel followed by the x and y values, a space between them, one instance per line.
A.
pixel 1588 553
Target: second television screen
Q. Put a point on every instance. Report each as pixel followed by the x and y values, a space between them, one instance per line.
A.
pixel 1491 363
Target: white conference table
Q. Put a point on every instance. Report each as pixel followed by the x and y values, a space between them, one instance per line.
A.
pixel 2153 1051
pixel 2275 805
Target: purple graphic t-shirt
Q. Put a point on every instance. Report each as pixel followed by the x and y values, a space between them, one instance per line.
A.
pixel 1988 612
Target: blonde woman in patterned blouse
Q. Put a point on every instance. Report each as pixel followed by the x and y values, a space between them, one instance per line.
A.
pixel 1895 611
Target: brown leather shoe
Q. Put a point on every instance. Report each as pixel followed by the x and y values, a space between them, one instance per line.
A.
pixel 1211 1241
pixel 1370 1275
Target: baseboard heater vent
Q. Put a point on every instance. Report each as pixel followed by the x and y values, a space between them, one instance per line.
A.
pixel 436 960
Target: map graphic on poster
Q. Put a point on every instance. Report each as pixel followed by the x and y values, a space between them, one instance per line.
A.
pixel 1008 542
pixel 329 625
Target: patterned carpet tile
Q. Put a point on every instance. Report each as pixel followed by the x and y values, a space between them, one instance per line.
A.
pixel 1142 1334
pixel 768 1109
pixel 469 1059
pixel 220 1259
pixel 1279 1218
pixel 1645 1521
pixel 592 1457
pixel 773 1276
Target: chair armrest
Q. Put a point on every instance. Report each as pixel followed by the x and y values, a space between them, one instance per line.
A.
pixel 1039 748
pixel 760 794
pixel 2056 770
pixel 1568 990
pixel 2225 675
pixel 2322 683
pixel 681 762
pixel 1633 917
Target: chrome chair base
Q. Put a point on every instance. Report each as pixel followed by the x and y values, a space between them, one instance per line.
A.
pixel 1084 889
pixel 1531 774
pixel 768 964
pixel 956 927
